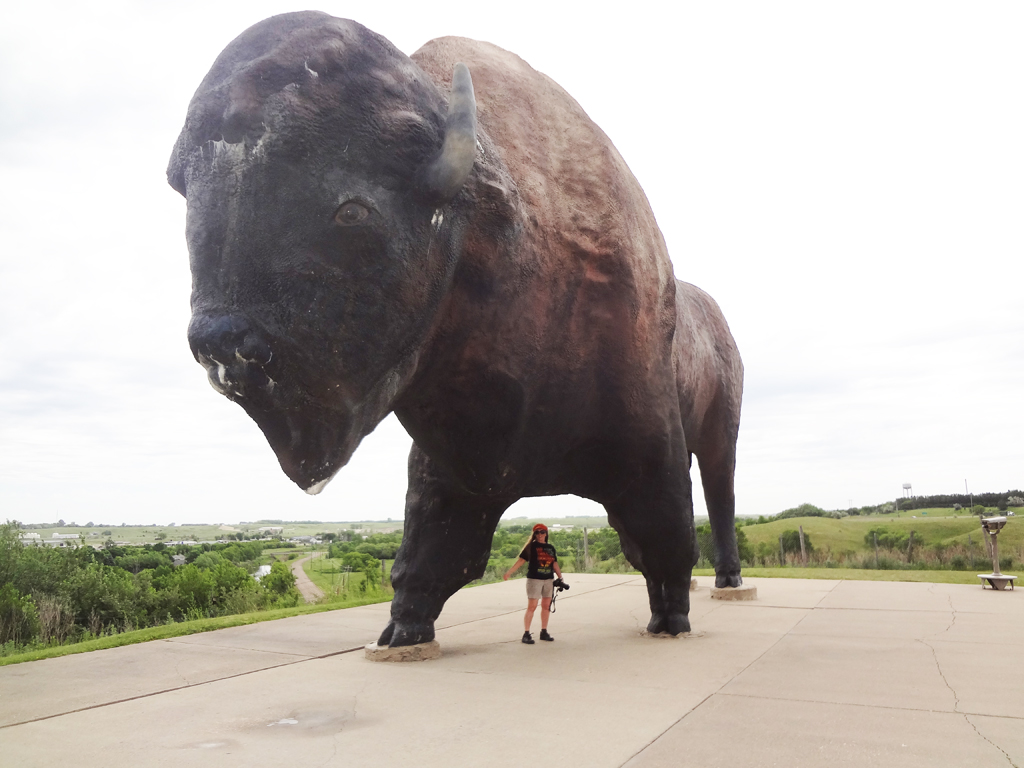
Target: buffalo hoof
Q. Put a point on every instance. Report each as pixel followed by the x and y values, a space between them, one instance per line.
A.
pixel 669 624
pixel 728 579
pixel 400 633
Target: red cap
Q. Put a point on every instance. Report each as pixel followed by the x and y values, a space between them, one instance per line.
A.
pixel 540 527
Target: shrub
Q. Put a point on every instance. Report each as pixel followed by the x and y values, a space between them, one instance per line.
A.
pixel 56 619
pixel 19 621
pixel 887 539
pixel 791 542
pixel 280 581
pixel 371 575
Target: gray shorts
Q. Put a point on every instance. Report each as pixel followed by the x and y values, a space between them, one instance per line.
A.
pixel 538 588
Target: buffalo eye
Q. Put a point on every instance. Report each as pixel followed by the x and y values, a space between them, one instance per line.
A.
pixel 351 213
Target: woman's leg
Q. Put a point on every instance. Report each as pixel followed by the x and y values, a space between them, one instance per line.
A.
pixel 531 606
pixel 545 612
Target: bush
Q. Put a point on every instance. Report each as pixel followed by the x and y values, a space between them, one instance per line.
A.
pixel 280 581
pixel 804 510
pixel 19 621
pixel 371 576
pixel 791 542
pixel 887 539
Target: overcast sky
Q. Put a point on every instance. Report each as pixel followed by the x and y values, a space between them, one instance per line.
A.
pixel 846 179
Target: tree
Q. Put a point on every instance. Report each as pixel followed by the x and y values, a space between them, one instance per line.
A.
pixel 791 541
pixel 280 580
pixel 371 575
pixel 746 551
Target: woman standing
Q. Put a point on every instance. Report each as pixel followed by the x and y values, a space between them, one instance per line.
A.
pixel 540 575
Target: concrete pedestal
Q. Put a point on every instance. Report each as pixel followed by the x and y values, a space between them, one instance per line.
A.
pixel 418 652
pixel 693 585
pixel 745 592
pixel 996 580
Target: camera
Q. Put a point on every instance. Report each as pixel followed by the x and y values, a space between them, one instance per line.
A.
pixel 560 584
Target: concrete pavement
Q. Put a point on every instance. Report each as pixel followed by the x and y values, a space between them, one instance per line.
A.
pixel 813 673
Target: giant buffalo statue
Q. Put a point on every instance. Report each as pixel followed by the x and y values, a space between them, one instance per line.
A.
pixel 477 258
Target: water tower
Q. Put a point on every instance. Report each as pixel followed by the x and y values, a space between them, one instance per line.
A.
pixel 908 491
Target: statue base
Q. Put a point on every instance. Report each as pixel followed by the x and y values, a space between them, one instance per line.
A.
pixel 693 585
pixel 745 592
pixel 418 652
pixel 680 636
pixel 997 580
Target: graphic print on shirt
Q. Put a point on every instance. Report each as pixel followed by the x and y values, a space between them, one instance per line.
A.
pixel 541 558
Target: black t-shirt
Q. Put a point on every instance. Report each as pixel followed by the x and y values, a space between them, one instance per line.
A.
pixel 541 558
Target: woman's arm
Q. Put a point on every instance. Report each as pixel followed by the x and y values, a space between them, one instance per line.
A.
pixel 518 564
pixel 557 569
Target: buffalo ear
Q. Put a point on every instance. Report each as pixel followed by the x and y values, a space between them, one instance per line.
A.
pixel 444 174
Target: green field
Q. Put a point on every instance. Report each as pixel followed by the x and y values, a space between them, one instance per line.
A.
pixel 931 527
pixel 331 577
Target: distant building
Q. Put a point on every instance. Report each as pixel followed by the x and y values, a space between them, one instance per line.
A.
pixel 271 529
pixel 177 561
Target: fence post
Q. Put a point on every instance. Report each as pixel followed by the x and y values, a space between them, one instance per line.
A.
pixel 586 551
pixel 876 549
pixel 383 574
pixel 970 550
pixel 803 550
pixel 910 549
pixel 782 552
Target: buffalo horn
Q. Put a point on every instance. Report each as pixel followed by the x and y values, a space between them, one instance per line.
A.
pixel 444 175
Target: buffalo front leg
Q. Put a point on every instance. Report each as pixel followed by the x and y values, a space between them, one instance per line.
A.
pixel 656 529
pixel 446 544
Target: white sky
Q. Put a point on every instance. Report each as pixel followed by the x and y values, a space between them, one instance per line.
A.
pixel 846 179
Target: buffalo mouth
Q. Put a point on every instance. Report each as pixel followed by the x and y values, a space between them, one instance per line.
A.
pixel 310 443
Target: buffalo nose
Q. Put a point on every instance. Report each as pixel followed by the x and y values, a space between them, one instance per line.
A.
pixel 233 354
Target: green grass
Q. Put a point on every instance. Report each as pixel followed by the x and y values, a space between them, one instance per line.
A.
pixel 180 629
pixel 327 574
pixel 847 534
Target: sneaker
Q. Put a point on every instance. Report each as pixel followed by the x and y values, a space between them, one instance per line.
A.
pixel 528 638
pixel 545 636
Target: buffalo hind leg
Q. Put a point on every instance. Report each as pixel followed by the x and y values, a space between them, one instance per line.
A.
pixel 446 544
pixel 656 530
pixel 716 473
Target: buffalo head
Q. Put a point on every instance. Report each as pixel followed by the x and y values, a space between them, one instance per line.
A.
pixel 321 169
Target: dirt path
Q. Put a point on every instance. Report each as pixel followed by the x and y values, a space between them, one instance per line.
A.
pixel 310 592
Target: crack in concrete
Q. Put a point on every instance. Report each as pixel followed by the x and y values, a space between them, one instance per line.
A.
pixel 341 727
pixel 956 698
pixel 179 688
pixel 986 738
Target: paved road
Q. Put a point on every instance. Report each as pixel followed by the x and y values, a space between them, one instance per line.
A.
pixel 812 674
pixel 310 592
